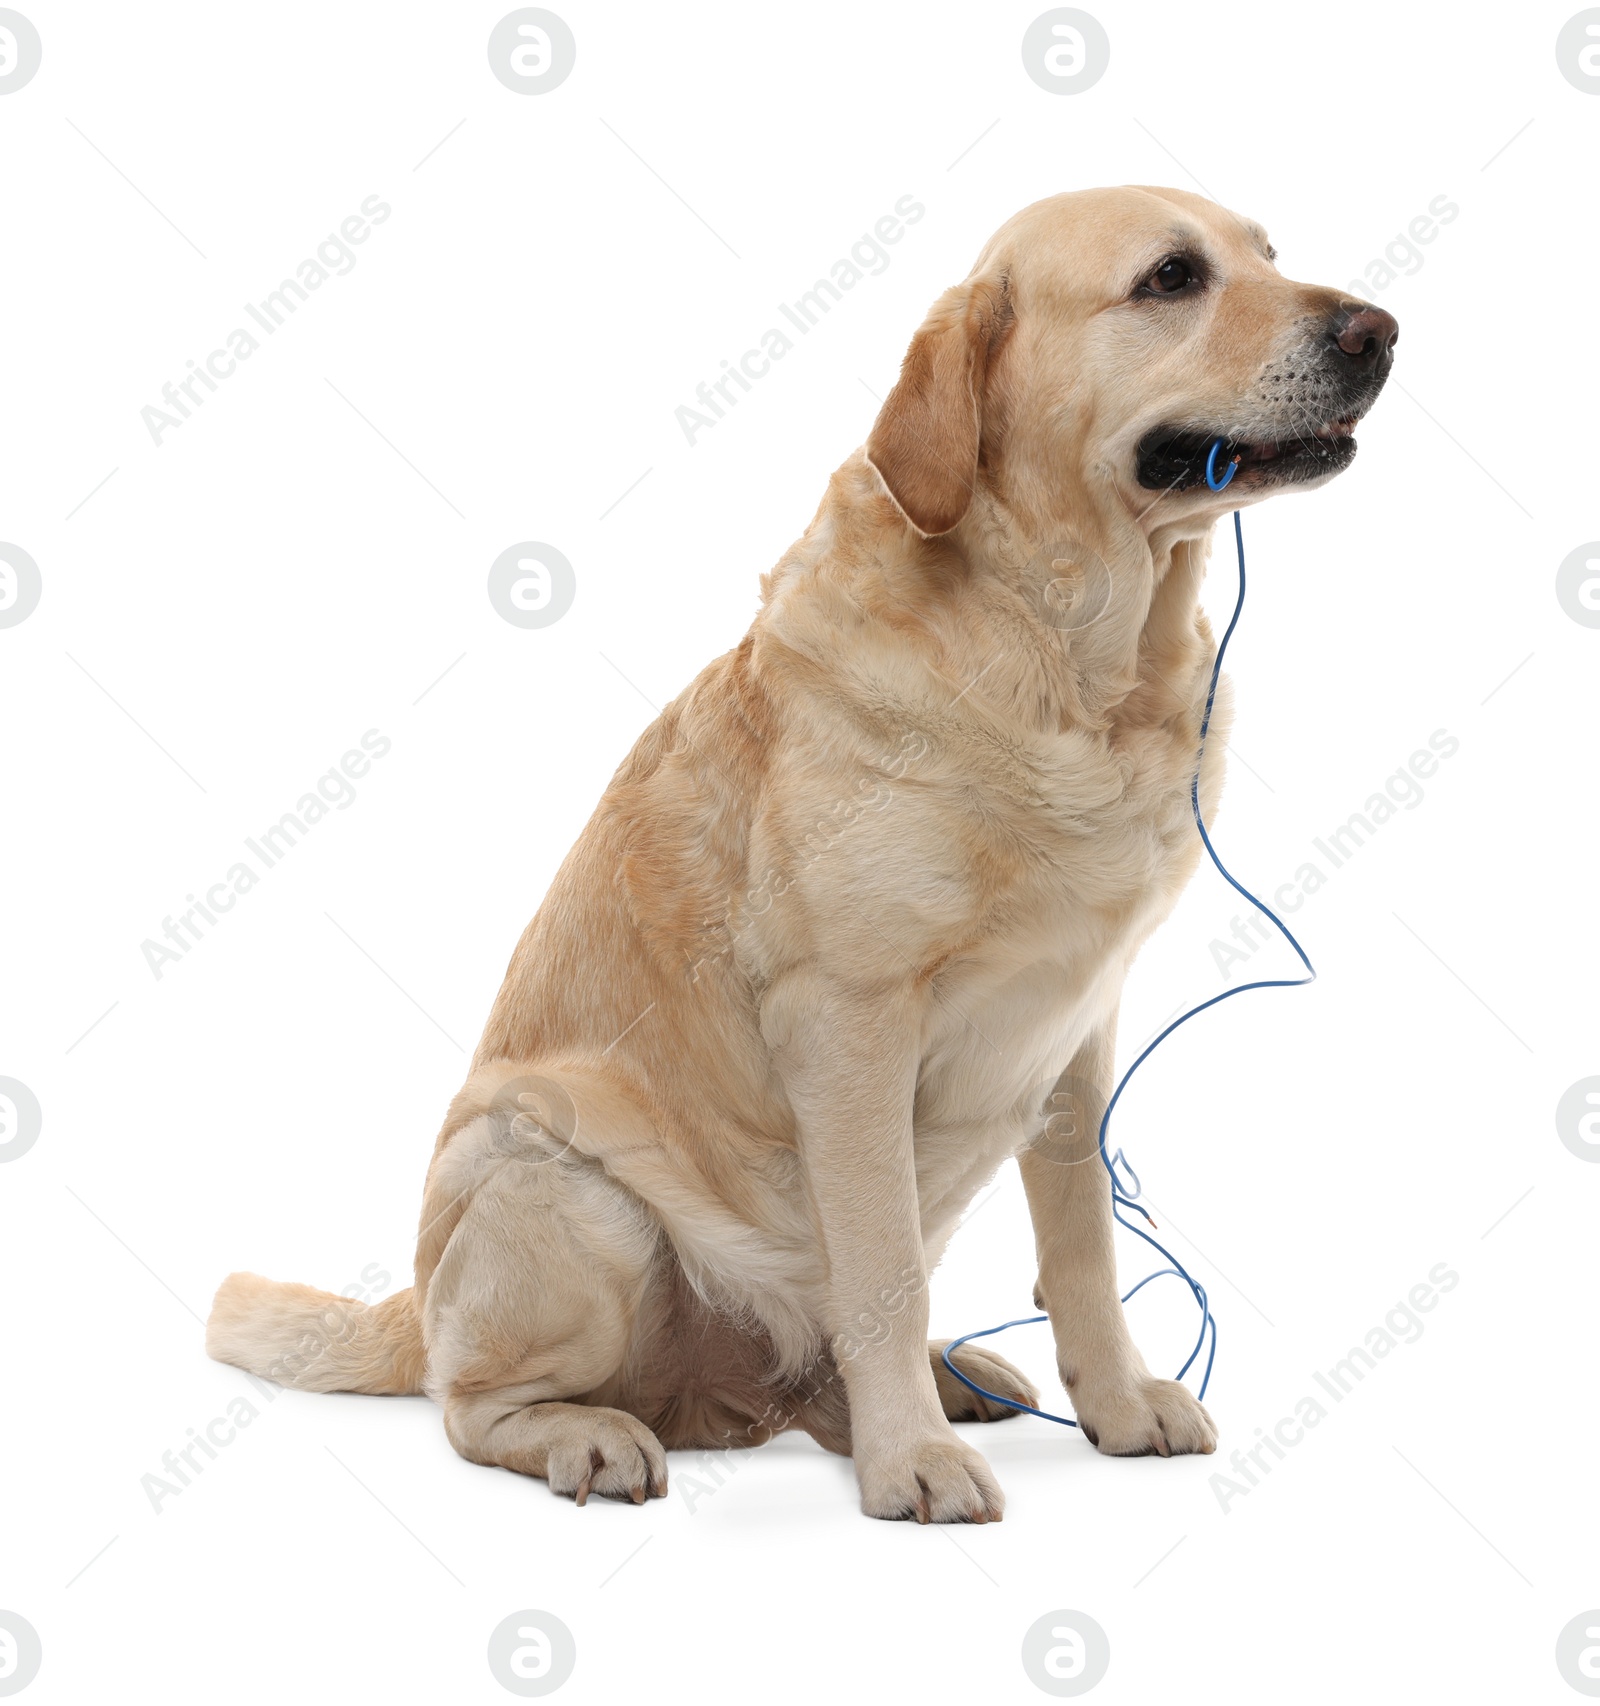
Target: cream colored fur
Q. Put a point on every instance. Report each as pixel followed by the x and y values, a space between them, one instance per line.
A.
pixel 856 902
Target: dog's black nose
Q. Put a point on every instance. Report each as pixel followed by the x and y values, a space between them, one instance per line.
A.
pixel 1366 335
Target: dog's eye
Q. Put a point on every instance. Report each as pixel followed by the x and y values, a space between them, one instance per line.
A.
pixel 1174 274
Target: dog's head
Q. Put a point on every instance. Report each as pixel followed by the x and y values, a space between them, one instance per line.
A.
pixel 1103 343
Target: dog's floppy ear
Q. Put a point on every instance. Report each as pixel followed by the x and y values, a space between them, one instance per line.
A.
pixel 924 443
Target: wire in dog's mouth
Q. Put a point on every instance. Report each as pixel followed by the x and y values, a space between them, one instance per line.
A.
pixel 1174 459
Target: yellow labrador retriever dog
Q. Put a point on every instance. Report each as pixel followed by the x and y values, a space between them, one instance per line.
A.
pixel 858 901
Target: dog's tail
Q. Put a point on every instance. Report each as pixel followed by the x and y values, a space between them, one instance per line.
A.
pixel 299 1336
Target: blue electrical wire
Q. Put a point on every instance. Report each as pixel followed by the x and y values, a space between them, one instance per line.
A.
pixel 1227 479
pixel 1122 1198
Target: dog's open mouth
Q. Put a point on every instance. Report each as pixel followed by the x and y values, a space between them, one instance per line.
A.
pixel 1173 459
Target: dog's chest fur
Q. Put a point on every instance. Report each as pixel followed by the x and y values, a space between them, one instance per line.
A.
pixel 1014 869
pixel 1087 868
pixel 1030 844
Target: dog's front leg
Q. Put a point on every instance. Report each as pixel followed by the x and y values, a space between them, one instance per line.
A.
pixel 848 1061
pixel 1121 1407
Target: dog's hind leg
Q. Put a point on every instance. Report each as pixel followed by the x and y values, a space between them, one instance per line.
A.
pixel 577 1448
pixel 531 1312
pixel 990 1371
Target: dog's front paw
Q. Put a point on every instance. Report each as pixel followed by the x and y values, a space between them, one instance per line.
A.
pixel 1145 1417
pixel 932 1478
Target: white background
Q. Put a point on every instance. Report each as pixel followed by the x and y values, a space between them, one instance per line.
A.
pixel 229 611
